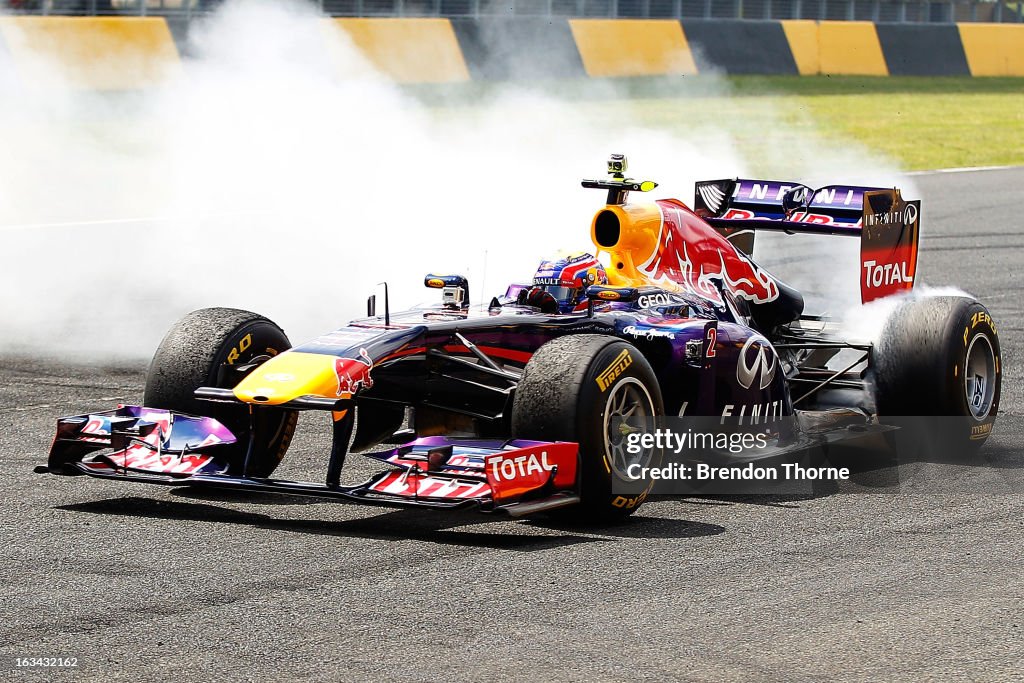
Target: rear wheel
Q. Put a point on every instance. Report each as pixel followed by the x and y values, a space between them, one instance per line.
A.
pixel 205 348
pixel 938 374
pixel 572 389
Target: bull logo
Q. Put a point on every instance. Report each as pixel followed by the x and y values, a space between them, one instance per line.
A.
pixel 693 257
pixel 762 367
pixel 353 373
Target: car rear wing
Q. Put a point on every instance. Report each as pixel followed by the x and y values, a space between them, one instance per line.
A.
pixel 887 225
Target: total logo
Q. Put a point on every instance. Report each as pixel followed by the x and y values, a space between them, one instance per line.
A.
pixel 652 300
pixel 508 469
pixel 877 275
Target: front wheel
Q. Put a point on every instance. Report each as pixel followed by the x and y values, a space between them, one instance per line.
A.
pixel 573 389
pixel 202 350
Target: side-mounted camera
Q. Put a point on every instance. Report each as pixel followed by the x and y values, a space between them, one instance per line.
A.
pixel 454 289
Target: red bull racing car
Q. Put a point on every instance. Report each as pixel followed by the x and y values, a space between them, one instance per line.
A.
pixel 514 405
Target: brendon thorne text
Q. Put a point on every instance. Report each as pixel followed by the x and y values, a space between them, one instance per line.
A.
pixel 701 471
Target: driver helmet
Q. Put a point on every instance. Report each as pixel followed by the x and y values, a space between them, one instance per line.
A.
pixel 560 284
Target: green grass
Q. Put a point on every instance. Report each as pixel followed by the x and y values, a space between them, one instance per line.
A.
pixel 918 123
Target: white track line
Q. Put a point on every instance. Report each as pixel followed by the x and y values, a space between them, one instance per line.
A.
pixel 965 169
pixel 160 219
pixel 127 221
pixel 71 224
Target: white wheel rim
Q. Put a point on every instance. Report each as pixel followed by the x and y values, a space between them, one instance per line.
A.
pixel 980 377
pixel 630 400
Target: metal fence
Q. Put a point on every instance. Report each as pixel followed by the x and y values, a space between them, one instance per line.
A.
pixel 898 11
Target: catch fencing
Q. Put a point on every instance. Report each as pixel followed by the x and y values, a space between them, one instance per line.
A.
pixel 884 11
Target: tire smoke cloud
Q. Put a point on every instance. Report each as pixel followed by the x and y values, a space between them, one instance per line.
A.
pixel 279 172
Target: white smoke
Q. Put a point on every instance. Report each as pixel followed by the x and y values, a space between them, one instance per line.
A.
pixel 262 179
pixel 865 323
pixel 282 174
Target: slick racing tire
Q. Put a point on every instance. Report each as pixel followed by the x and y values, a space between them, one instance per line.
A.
pixel 571 390
pixel 937 375
pixel 200 350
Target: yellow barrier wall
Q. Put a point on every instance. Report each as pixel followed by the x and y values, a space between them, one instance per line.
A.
pixel 637 47
pixel 97 53
pixel 409 50
pixel 993 49
pixel 850 48
pixel 802 36
pixel 130 53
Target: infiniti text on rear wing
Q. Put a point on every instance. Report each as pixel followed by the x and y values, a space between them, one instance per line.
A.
pixel 886 224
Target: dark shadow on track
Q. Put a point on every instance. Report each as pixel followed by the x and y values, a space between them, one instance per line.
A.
pixel 637 526
pixel 247 497
pixel 766 500
pixel 400 524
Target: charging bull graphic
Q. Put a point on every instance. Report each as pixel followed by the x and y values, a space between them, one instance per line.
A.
pixel 689 254
pixel 353 373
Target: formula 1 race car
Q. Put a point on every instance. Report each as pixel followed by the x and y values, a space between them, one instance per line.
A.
pixel 511 406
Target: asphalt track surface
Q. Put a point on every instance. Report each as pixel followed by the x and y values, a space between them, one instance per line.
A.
pixel 921 582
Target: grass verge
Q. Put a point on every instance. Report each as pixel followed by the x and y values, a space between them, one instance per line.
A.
pixel 920 123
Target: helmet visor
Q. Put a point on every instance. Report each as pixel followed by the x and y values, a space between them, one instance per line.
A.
pixel 561 293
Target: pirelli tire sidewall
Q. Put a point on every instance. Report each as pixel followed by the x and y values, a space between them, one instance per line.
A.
pixel 921 363
pixel 200 350
pixel 563 396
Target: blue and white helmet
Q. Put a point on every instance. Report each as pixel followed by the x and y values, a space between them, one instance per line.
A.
pixel 560 284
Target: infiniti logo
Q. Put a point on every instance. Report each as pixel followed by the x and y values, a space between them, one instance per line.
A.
pixel 763 365
pixel 909 214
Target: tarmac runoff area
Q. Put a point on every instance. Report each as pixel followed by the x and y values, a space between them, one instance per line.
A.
pixel 921 583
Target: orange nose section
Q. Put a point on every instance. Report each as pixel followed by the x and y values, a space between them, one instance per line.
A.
pixel 293 374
